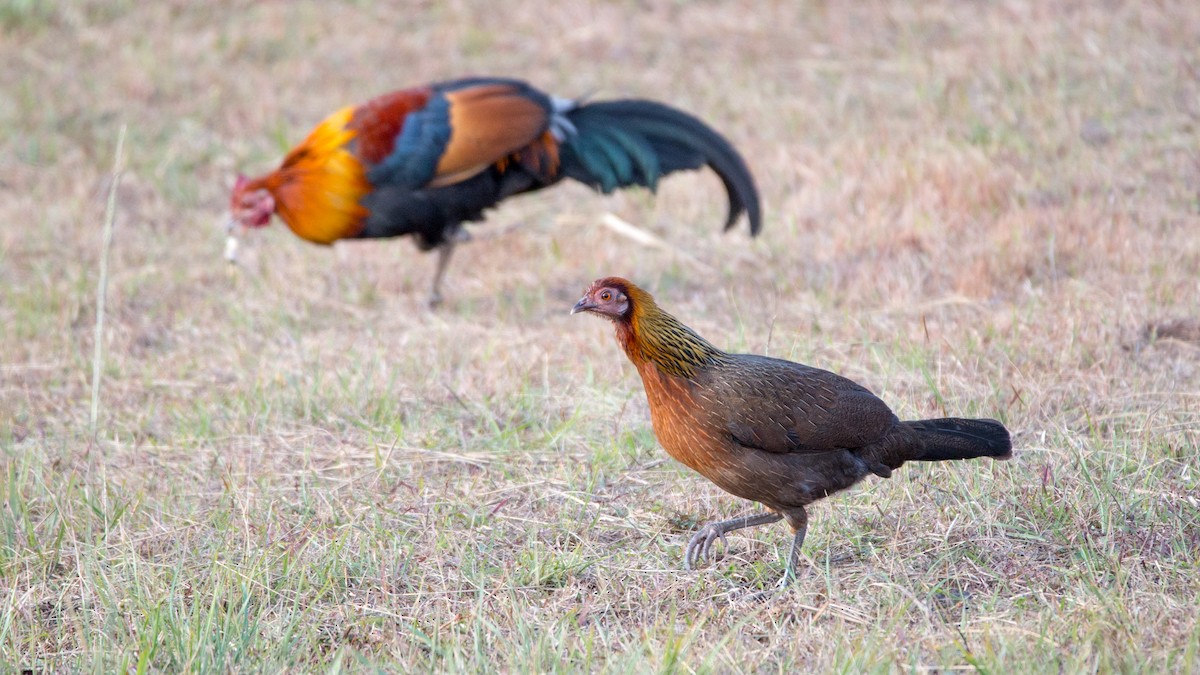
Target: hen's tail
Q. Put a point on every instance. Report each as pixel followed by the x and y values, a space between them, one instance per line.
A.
pixel 615 144
pixel 955 438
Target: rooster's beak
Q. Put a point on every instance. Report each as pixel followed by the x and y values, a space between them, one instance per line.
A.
pixel 583 305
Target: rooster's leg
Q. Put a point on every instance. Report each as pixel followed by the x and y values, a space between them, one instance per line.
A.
pixel 445 249
pixel 697 549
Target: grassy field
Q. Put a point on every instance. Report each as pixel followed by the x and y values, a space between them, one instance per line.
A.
pixel 973 208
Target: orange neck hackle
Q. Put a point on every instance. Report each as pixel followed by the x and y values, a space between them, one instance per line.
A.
pixel 318 186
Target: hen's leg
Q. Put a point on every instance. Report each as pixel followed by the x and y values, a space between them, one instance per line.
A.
pixel 697 549
pixel 798 519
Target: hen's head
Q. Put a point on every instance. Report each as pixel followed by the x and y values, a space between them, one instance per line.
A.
pixel 610 297
pixel 250 204
pixel 645 332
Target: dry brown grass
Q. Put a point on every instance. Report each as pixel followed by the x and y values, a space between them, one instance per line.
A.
pixel 973 208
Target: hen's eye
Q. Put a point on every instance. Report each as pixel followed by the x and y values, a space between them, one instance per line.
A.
pixel 606 295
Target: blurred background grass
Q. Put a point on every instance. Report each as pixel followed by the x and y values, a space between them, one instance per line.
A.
pixel 972 208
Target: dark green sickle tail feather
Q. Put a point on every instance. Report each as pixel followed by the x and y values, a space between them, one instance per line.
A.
pixel 636 142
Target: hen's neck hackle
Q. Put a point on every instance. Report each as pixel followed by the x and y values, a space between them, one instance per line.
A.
pixel 650 335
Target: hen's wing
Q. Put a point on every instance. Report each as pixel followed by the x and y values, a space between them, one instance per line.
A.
pixel 784 407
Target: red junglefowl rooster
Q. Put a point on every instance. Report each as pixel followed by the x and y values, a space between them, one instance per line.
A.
pixel 423 161
pixel 772 431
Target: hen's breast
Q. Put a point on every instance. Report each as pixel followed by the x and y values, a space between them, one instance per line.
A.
pixel 683 420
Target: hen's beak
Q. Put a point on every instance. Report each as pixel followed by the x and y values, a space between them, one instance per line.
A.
pixel 583 305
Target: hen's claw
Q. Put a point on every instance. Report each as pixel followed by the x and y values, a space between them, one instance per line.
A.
pixel 700 545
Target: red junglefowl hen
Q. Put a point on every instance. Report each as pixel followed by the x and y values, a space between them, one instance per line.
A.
pixel 772 431
pixel 423 161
